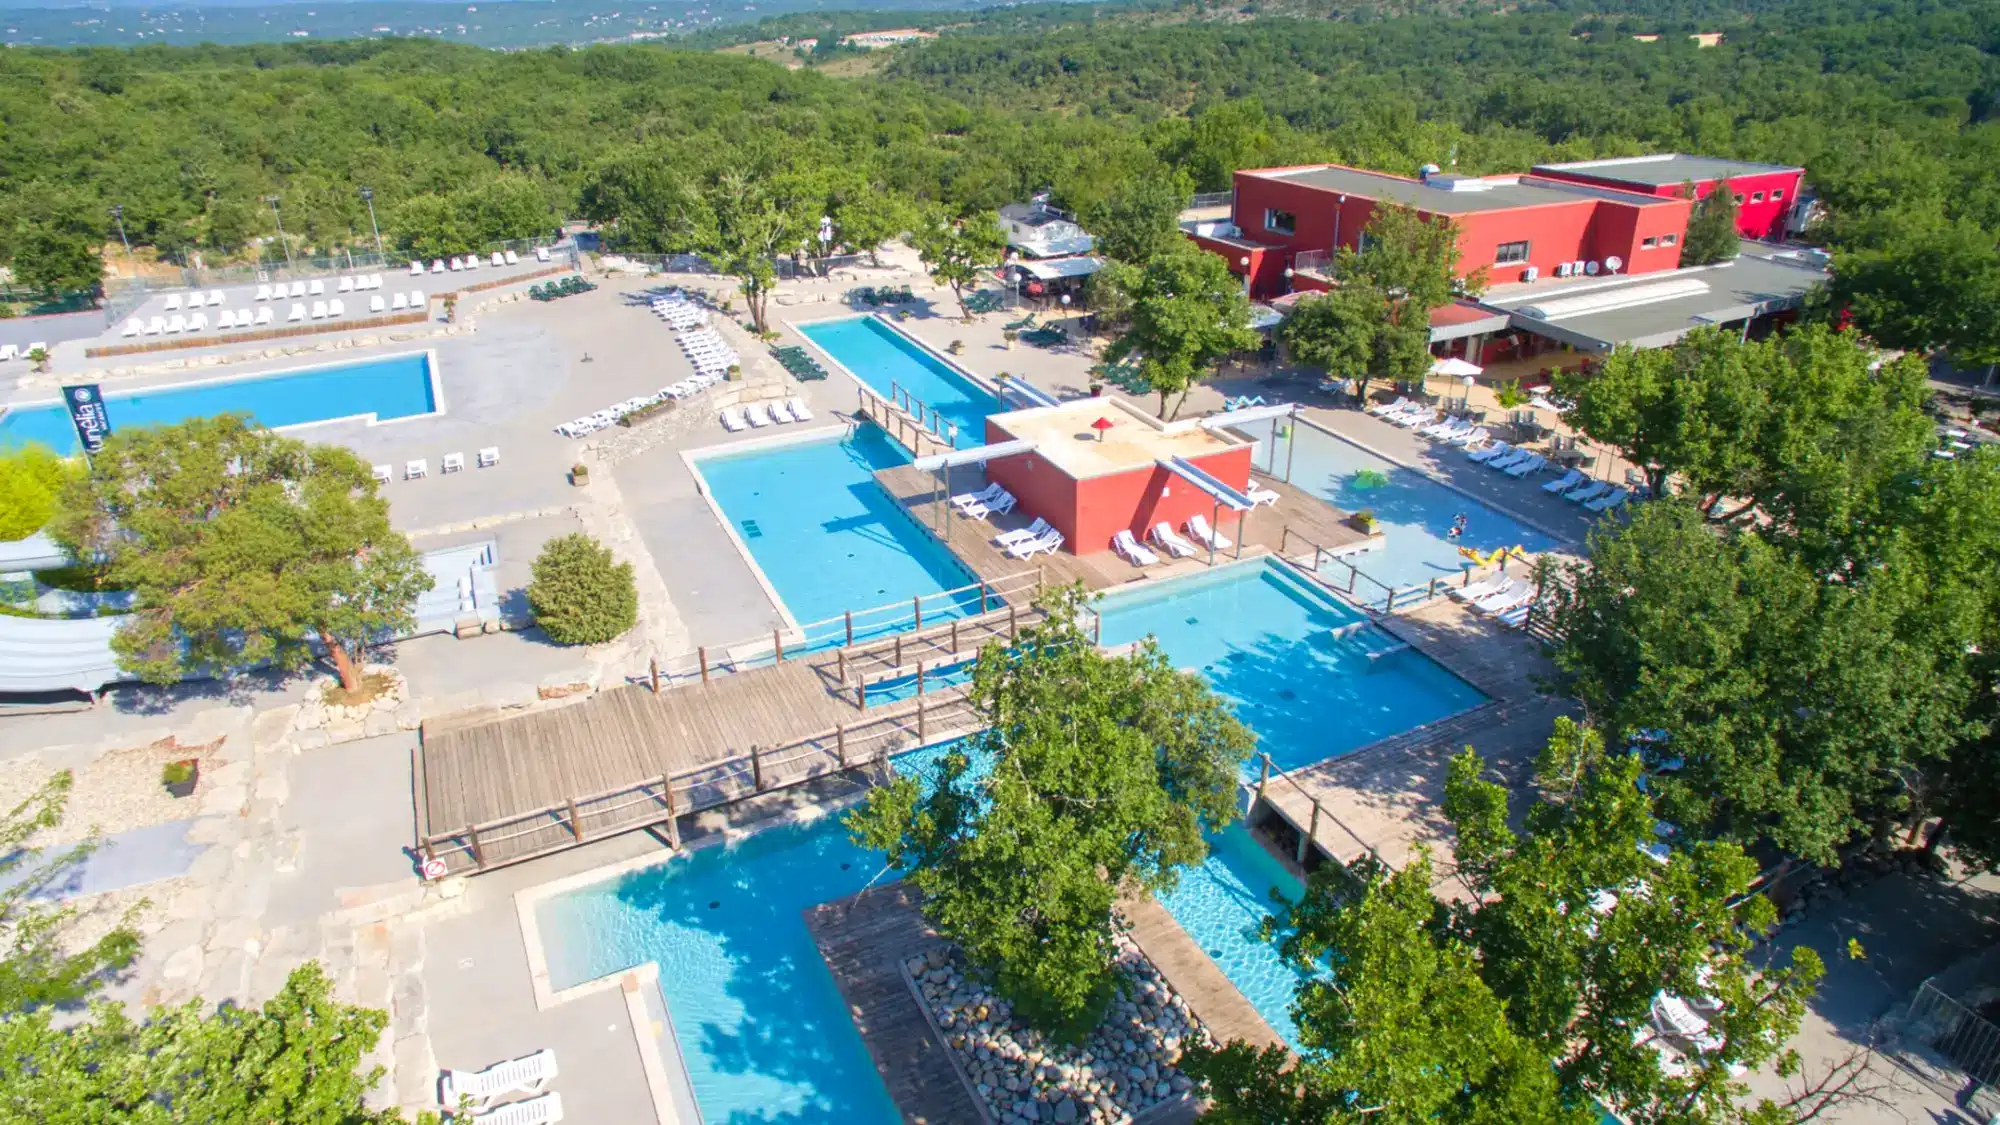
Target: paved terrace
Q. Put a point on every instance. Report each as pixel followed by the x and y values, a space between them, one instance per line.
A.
pixel 1387 798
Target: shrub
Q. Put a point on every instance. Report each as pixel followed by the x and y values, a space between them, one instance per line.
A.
pixel 579 594
pixel 30 480
pixel 176 773
pixel 1510 395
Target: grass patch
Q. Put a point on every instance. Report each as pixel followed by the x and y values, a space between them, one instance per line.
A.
pixel 373 685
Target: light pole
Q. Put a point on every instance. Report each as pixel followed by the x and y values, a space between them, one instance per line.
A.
pixel 118 213
pixel 273 201
pixel 368 197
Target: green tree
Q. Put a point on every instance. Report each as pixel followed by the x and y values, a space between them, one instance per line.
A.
pixel 1711 227
pixel 1140 219
pixel 242 548
pixel 428 226
pixel 40 965
pixel 581 595
pixel 1376 322
pixel 958 252
pixel 1799 708
pixel 1188 314
pixel 1342 333
pixel 866 219
pixel 293 1061
pixel 1929 283
pixel 31 479
pixel 1093 776
pixel 57 252
pixel 744 224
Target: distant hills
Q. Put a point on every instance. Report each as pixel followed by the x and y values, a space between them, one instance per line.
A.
pixel 486 23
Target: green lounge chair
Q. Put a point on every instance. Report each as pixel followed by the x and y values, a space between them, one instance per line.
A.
pixel 1021 325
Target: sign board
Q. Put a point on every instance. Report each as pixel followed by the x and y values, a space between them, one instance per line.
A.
pixel 88 415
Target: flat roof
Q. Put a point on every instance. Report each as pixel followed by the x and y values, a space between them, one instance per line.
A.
pixel 1667 168
pixel 1063 435
pixel 1497 193
pixel 1652 310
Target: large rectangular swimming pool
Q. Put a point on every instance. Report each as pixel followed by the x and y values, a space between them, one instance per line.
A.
pixel 884 358
pixel 376 390
pixel 1305 672
pixel 827 537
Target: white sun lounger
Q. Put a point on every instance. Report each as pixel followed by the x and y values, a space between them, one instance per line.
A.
pixel 541 253
pixel 496 259
pixel 457 264
pixel 1381 408
pixel 472 261
pixel 418 468
pixel 230 318
pixel 1170 541
pixel 453 463
pixel 781 413
pixel 1472 439
pixel 1534 463
pixel 1260 496
pixel 375 304
pixel 178 323
pixel 346 285
pixel 1507 460
pixel 1131 548
pixel 264 316
pixel 1197 526
pixel 416 269
pixel 214 298
pixel 1493 452
pixel 132 328
pixel 7 352
pixel 1035 530
pixel 263 293
pixel 35 346
pixel 757 415
pixel 545 1110
pixel 319 310
pixel 1030 548
pixel 402 303
pixel 336 308
pixel 298 288
pixel 999 505
pixel 1590 491
pixel 965 500
pixel 1502 600
pixel 316 289
pixel 418 302
pixel 529 1074
pixel 1412 421
pixel 1479 589
pixel 513 259
pixel 1566 481
pixel 383 474
pixel 489 457
pixel 799 411
pixel 198 322
pixel 437 265
pixel 732 419
pixel 173 302
pixel 1616 499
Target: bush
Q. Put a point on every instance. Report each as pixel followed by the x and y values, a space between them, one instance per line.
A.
pixel 579 595
pixel 30 480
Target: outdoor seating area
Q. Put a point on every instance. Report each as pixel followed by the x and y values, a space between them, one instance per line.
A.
pixel 450 463
pixel 878 296
pixel 985 301
pixel 677 311
pixel 1517 461
pixel 757 415
pixel 568 287
pixel 800 363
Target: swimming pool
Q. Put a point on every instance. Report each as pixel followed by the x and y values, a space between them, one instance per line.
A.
pixel 1416 512
pixel 826 536
pixel 1265 639
pixel 1222 902
pixel 884 358
pixel 377 390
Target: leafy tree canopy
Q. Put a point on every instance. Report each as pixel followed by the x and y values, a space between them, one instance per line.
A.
pixel 242 548
pixel 31 479
pixel 1188 313
pixel 958 251
pixel 1141 219
pixel 1095 776
pixel 581 595
pixel 1711 228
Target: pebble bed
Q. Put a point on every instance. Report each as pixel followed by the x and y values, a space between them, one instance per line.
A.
pixel 1117 1074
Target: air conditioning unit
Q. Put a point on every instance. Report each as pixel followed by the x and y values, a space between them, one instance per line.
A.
pixel 1562 269
pixel 1530 273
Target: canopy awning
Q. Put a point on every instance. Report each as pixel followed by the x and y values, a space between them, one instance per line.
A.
pixel 1201 478
pixel 1248 415
pixel 978 455
pixel 1028 391
pixel 1060 267
pixel 1455 368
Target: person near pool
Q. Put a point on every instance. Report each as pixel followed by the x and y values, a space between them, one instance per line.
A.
pixel 1458 523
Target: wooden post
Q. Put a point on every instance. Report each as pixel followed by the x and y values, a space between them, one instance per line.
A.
pixel 478 853
pixel 1263 776
pixel 1433 591
pixel 850 626
pixel 1312 830
pixel 917 608
pixel 841 655
pixel 1352 570
pixel 861 692
pixel 899 650
pixel 1390 605
pixel 575 823
pixel 1013 626
pixel 756 770
pixel 653 666
pixel 982 597
pixel 954 635
pixel 702 652
pixel 777 647
pixel 840 744
pixel 922 737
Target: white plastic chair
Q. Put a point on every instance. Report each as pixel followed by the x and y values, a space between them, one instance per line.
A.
pixel 457 264
pixel 375 304
pixel 264 316
pixel 497 260
pixel 198 322
pixel 513 259
pixel 437 265
pixel 336 308
pixel 453 463
pixel 346 285
pixel 298 288
pixel 173 302
pixel 132 328
pixel 263 293
pixel 214 298
pixel 416 269
pixel 383 474
pixel 177 324
pixel 402 303
pixel 489 457
pixel 417 300
pixel 319 310
pixel 418 468
pixel 1197 526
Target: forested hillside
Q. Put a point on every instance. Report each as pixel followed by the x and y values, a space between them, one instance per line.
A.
pixel 1890 105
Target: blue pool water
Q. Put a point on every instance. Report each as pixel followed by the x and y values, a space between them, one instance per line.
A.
pixel 1264 639
pixel 397 387
pixel 826 535
pixel 1415 511
pixel 1221 904
pixel 880 356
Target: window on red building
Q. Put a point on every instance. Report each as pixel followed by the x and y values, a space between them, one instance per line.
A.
pixel 1669 239
pixel 1777 194
pixel 1648 243
pixel 1280 222
pixel 1756 197
pixel 1510 252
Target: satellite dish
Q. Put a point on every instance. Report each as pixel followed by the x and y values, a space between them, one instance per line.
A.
pixel 1612 263
pixel 1590 268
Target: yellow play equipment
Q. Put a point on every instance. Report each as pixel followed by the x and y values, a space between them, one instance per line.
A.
pixel 1499 553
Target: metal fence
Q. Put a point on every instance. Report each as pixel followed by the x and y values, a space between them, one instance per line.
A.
pixel 1967 1039
pixel 1211 199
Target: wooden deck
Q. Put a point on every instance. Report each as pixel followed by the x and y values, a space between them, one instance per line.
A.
pixel 864 939
pixel 1312 522
pixel 1195 976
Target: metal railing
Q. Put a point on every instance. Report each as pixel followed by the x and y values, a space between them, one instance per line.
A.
pixel 1309 838
pixel 1211 199
pixel 1313 261
pixel 1968 1040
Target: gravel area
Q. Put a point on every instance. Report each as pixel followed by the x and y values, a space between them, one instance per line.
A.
pixel 147 907
pixel 121 789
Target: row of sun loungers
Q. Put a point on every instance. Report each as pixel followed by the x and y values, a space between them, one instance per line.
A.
pixel 195 300
pixel 707 351
pixel 530 1074
pixel 471 262
pixel 333 309
pixel 1577 487
pixel 991 500
pixel 1575 484
pixel 679 312
pixel 453 462
pixel 317 288
pixel 756 415
pixel 1507 600
pixel 9 351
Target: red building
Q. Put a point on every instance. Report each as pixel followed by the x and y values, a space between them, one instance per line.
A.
pixel 1286 221
pixel 1766 194
pixel 1092 482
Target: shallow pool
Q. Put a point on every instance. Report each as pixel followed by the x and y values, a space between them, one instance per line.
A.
pixel 1222 903
pixel 827 537
pixel 884 359
pixel 1264 638
pixel 379 390
pixel 1416 512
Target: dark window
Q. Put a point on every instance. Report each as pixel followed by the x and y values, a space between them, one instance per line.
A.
pixel 1510 252
pixel 1280 222
pixel 1777 194
pixel 1756 197
pixel 1648 243
pixel 1669 239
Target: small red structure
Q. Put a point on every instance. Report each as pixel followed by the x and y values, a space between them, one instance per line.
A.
pixel 1766 194
pixel 1097 467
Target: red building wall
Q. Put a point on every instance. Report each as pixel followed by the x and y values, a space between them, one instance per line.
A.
pixel 1089 512
pixel 1762 218
pixel 1040 489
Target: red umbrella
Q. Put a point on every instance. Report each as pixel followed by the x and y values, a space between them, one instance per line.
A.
pixel 1101 425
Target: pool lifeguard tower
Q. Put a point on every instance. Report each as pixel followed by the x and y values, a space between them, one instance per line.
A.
pixel 1095 466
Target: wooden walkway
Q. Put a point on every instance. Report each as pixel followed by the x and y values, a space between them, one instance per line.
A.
pixel 1312 521
pixel 864 939
pixel 1195 976
pixel 938 646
